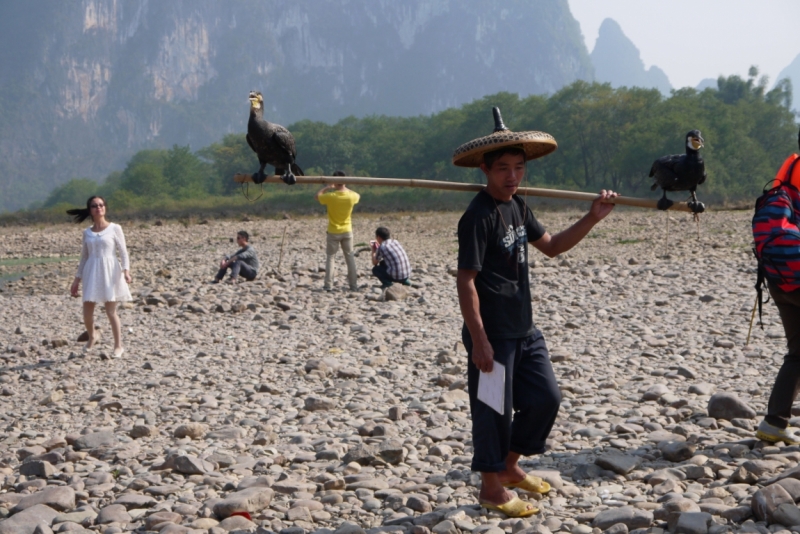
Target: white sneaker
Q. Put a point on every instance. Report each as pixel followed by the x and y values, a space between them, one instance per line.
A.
pixel 773 434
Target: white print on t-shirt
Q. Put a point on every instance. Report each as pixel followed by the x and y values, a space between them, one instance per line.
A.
pixel 517 237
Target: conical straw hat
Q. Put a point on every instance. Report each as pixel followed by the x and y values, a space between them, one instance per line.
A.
pixel 535 144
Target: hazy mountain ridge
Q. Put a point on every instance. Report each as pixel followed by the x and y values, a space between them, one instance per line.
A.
pixel 86 83
pixel 617 61
pixel 792 71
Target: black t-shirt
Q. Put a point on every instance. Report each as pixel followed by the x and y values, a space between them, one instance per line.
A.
pixel 493 239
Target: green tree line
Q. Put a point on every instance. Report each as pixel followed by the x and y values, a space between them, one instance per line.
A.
pixel 608 138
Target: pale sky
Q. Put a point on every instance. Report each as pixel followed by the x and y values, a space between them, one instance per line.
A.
pixel 692 40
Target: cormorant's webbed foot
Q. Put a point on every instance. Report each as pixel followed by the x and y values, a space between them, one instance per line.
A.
pixel 289 178
pixel 259 177
pixel 664 203
pixel 696 206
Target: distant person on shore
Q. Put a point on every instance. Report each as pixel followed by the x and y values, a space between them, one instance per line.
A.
pixel 105 281
pixel 389 259
pixel 775 425
pixel 243 262
pixel 339 201
pixel 517 414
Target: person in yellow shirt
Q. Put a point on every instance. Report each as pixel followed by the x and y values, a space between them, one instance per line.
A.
pixel 339 200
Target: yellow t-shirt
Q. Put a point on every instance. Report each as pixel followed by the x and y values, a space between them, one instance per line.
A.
pixel 340 206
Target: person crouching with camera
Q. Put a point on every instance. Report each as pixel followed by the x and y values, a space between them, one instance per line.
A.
pixel 389 259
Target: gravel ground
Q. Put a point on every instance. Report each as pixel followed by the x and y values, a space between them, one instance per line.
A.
pixel 313 411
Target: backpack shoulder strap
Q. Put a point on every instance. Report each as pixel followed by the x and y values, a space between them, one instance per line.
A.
pixel 787 179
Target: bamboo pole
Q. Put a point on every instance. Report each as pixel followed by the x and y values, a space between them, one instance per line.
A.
pixel 459 186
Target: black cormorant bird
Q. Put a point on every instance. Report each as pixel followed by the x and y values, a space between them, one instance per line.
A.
pixel 272 143
pixel 681 172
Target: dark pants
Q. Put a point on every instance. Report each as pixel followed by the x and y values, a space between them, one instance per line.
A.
pixel 238 267
pixel 382 273
pixel 779 410
pixel 532 395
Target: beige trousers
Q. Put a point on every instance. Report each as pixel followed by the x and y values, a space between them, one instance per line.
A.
pixel 333 243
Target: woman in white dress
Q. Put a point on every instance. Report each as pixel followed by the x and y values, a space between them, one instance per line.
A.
pixel 105 281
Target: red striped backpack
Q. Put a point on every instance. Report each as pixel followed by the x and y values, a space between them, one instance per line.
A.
pixel 777 235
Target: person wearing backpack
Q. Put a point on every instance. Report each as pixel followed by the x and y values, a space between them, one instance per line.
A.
pixel 777 239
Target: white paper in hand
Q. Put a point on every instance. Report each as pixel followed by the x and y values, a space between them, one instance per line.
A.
pixel 492 388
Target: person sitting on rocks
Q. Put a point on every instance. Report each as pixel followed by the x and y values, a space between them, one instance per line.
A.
pixel 244 261
pixel 389 259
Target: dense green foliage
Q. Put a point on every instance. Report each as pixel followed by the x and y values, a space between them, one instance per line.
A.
pixel 73 193
pixel 608 138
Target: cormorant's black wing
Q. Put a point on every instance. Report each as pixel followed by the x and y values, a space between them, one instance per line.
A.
pixel 664 170
pixel 703 179
pixel 284 140
pixel 667 163
pixel 249 142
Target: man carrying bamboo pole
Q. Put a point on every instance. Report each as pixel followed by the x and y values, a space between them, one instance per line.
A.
pixel 339 202
pixel 494 296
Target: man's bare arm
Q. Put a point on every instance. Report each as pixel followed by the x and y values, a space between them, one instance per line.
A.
pixel 482 352
pixel 553 245
pixel 316 197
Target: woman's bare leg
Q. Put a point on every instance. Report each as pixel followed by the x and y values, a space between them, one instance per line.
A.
pixel 116 326
pixel 88 321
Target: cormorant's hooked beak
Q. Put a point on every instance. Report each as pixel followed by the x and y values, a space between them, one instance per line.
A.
pixel 696 142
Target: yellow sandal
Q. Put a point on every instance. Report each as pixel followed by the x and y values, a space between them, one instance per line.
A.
pixel 516 507
pixel 531 484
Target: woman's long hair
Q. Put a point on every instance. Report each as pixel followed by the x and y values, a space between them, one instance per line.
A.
pixel 81 214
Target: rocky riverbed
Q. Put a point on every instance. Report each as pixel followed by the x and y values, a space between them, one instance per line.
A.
pixel 277 406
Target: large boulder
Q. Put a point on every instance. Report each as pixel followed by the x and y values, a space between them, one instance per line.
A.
pixel 787 515
pixel 672 510
pixel 314 404
pixel 766 500
pixel 134 500
pixel 392 451
pixel 26 522
pixel 676 451
pixel 113 513
pixel 94 440
pixel 620 463
pixel 633 518
pixel 37 469
pixel 161 519
pixel 793 473
pixel 191 430
pixel 361 453
pixel 236 523
pixel 396 292
pixel 693 523
pixel 192 465
pixel 729 406
pixel 59 498
pixel 792 485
